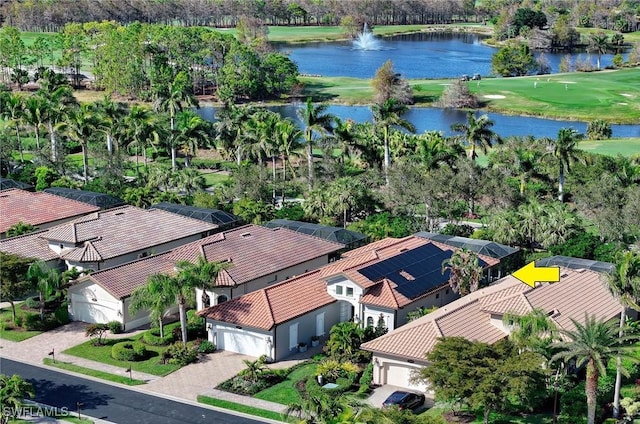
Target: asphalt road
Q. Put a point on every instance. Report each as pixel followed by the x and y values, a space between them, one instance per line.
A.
pixel 112 403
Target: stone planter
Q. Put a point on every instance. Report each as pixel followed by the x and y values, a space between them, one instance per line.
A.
pixel 315 343
pixel 302 347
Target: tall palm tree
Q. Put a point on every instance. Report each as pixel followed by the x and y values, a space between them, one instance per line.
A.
pixel 201 274
pixel 228 126
pixel 317 124
pixel 80 126
pixel 34 115
pixel 386 116
pixel 142 130
pixel 154 297
pixel 477 133
pixel 172 99
pixel 465 271
pixel 531 331
pixel 44 280
pixel 624 283
pixel 287 135
pixel 519 156
pixel 564 149
pixel 110 113
pixel 58 100
pixel 192 132
pixel 598 43
pixel 12 109
pixel 593 343
pixel 434 150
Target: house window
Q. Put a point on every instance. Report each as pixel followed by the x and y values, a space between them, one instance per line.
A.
pixel 447 291
pixel 339 290
pixel 437 295
pixel 222 298
pixel 369 321
pixel 350 291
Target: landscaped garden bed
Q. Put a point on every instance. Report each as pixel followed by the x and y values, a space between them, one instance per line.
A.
pixel 28 324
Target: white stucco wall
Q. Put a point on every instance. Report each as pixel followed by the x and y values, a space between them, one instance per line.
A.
pixel 389 370
pixel 91 303
pixel 244 340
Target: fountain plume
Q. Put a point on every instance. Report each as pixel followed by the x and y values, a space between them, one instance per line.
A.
pixel 366 40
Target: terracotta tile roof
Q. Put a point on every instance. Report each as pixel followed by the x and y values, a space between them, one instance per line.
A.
pixel 383 294
pixel 257 251
pixel 121 281
pixel 275 304
pixel 29 246
pixel 37 208
pixel 469 316
pixel 118 231
pixel 249 255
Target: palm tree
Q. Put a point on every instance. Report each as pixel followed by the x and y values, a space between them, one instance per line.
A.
pixel 477 133
pixel 110 113
pixel 201 274
pixel 192 131
pixel 598 43
pixel 12 109
pixel 624 283
pixel 189 180
pixel 43 279
pixel 80 127
pixel 317 123
pixel 564 149
pixel 154 297
pixel 34 115
pixel 13 391
pixel 464 271
pixel 433 150
pixel 593 343
pixel 172 99
pixel 287 135
pixel 142 130
pixel 519 156
pixel 531 331
pixel 58 100
pixel 386 116
pixel 228 127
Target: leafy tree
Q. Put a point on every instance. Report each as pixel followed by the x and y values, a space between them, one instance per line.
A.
pixel 458 96
pixel 598 129
pixel 485 377
pixel 317 123
pixel 464 271
pixel 532 331
pixel 13 391
pixel 19 229
pixel 344 340
pixel 513 60
pixel 388 84
pixel 624 283
pixel 96 332
pixel 385 224
pixel 593 343
pixel 13 276
pixel 566 153
pixel 476 133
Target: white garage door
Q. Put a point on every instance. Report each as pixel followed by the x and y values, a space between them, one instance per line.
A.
pixel 91 312
pixel 241 342
pixel 400 375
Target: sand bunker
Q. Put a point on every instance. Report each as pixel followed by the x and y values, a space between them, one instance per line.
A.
pixel 623 104
pixel 626 94
pixel 567 82
pixel 494 96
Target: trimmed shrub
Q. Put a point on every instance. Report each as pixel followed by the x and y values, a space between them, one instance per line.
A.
pixel 32 302
pixel 32 322
pixel 181 354
pixel 206 347
pixel 152 337
pixel 115 327
pixel 366 379
pixel 128 351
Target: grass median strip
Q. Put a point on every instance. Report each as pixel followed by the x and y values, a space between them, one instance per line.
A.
pixel 93 373
pixel 238 407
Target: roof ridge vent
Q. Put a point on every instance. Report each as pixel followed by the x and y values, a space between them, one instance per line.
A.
pixel 247 234
pixel 580 270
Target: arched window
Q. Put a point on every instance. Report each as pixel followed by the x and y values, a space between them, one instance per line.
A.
pixel 369 321
pixel 222 298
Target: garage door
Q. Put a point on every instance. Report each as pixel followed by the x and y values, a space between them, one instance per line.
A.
pixel 400 375
pixel 92 312
pixel 241 342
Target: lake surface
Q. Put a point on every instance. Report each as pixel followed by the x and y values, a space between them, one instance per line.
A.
pixel 423 55
pixel 427 119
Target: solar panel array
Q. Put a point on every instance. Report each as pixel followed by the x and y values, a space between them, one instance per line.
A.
pixel 414 272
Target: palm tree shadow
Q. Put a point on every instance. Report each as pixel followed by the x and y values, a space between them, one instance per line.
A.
pixel 68 395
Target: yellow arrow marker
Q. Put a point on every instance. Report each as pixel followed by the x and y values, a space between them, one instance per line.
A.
pixel 530 274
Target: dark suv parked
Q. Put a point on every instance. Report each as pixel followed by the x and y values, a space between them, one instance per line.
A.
pixel 404 400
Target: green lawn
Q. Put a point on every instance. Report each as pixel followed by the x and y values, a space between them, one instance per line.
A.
pixel 238 407
pixel 122 379
pixel 285 392
pixel 7 330
pixel 215 178
pixel 627 147
pixel 102 354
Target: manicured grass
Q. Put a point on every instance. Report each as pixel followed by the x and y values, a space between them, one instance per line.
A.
pixel 582 96
pixel 10 333
pixel 93 373
pixel 627 147
pixel 238 407
pixel 102 354
pixel 215 178
pixel 285 392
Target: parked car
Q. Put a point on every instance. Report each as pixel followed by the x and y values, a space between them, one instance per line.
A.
pixel 476 77
pixel 465 77
pixel 404 400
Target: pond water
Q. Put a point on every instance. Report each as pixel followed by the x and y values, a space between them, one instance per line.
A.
pixel 427 119
pixel 423 55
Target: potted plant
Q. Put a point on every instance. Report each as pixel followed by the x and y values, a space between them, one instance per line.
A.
pixel 315 341
pixel 302 347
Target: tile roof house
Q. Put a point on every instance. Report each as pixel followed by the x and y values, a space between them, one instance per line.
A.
pixel 478 316
pixel 383 280
pixel 108 238
pixel 42 210
pixel 258 257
